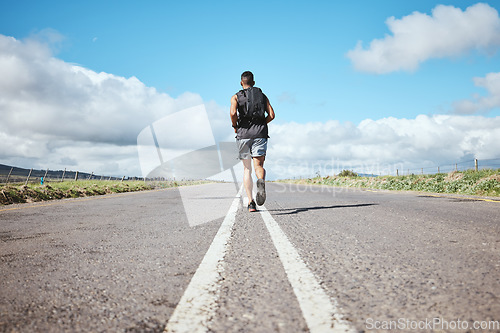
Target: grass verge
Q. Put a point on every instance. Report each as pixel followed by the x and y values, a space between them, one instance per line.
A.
pixel 12 193
pixel 483 182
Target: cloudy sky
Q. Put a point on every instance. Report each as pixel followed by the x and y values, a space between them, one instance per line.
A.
pixel 358 84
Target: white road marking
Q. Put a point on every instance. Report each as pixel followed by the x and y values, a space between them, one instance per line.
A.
pixel 198 304
pixel 320 312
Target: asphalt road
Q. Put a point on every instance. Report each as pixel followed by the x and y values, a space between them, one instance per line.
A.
pixel 122 263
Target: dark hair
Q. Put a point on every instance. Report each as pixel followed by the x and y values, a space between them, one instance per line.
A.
pixel 247 78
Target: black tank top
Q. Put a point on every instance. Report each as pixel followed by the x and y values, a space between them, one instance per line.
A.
pixel 249 127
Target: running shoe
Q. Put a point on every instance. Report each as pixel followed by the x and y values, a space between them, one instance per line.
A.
pixel 261 192
pixel 251 206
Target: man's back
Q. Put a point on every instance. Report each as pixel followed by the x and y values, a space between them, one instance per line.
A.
pixel 252 109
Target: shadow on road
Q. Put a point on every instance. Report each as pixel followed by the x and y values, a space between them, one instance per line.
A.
pixel 290 211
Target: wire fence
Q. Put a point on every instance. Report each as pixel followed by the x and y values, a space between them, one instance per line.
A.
pixel 459 166
pixel 336 167
pixel 13 175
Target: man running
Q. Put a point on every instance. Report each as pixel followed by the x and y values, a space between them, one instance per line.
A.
pixel 250 113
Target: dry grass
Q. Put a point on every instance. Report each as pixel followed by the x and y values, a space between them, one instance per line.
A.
pixel 10 194
pixel 483 182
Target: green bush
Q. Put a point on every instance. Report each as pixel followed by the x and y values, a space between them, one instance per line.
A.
pixel 487 187
pixel 348 173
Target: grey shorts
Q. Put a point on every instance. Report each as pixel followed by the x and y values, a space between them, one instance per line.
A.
pixel 249 148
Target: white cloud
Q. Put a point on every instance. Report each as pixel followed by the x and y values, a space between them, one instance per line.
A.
pixel 379 146
pixel 59 115
pixel 52 111
pixel 415 38
pixel 481 104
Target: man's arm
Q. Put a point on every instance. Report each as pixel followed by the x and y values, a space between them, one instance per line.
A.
pixel 233 112
pixel 270 112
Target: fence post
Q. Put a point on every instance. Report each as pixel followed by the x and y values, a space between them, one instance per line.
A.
pixel 397 172
pixel 438 169
pixel 91 175
pixel 456 167
pixel 8 176
pixel 27 179
pixel 46 172
pixel 475 164
pixel 64 172
pixel 76 176
pixel 123 178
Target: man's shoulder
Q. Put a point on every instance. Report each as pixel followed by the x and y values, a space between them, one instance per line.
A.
pixel 261 91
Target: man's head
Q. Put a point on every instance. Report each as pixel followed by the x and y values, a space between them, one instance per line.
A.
pixel 247 79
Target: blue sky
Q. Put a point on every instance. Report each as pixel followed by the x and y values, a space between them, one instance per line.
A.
pixel 298 52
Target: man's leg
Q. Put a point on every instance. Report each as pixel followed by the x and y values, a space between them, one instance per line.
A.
pixel 247 178
pixel 260 172
pixel 258 163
